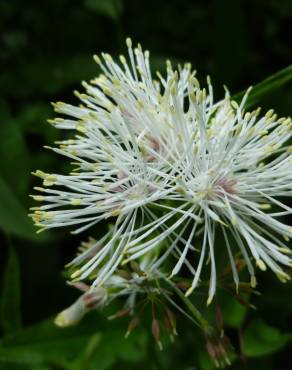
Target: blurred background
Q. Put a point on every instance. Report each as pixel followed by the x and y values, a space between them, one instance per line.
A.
pixel 46 51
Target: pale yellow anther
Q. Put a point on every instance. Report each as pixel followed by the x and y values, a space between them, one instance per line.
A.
pixel 129 42
pixel 269 113
pixel 269 121
pixel 238 130
pixel 75 274
pixel 286 238
pixel 85 84
pixel 261 265
pixel 253 281
pixel 209 300
pixel 107 91
pixel 250 132
pixel 247 116
pixel 195 82
pixel 256 112
pixel 59 104
pixel 116 212
pixel 285 250
pixel 97 59
pixel 269 148
pixel 81 127
pixel 168 64
pixel 173 90
pixel 234 221
pixel 265 206
pixel 108 57
pixel 116 82
pixel 123 59
pixel 47 215
pixel 158 74
pixel 49 180
pixel 40 174
pixel 274 117
pixel 140 104
pixel 75 202
pixel 286 121
pixel 38 198
pixel 263 133
pixel 192 97
pixel 180 190
pixel 189 292
pixel 139 47
pixel 283 276
pixel 248 90
pixel 40 216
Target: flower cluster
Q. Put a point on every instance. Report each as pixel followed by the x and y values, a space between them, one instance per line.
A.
pixel 139 290
pixel 170 169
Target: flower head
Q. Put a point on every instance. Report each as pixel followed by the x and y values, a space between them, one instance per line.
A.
pixel 172 169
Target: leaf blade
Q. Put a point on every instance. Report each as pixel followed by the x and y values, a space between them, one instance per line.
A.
pixel 261 339
pixel 13 218
pixel 265 87
pixel 10 297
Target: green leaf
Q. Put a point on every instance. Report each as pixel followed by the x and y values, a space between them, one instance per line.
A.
pixel 74 348
pixel 48 76
pixel 10 297
pixel 261 339
pixel 45 343
pixel 15 157
pixel 13 217
pixel 110 8
pixel 204 360
pixel 112 348
pixel 233 312
pixel 266 87
pixel 84 361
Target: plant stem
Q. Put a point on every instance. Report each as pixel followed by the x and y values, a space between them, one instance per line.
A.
pixel 193 310
pixel 202 322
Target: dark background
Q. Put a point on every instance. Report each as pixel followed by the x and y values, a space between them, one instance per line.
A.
pixel 46 50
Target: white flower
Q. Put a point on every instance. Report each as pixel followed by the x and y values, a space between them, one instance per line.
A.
pixel 175 170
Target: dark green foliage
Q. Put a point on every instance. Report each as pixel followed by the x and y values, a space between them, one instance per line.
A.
pixel 10 294
pixel 78 348
pixel 261 339
pixel 13 216
pixel 46 50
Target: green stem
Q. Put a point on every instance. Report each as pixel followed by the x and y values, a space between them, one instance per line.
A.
pixel 203 323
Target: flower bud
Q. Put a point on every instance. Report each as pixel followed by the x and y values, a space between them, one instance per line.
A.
pixel 88 301
pixel 156 332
